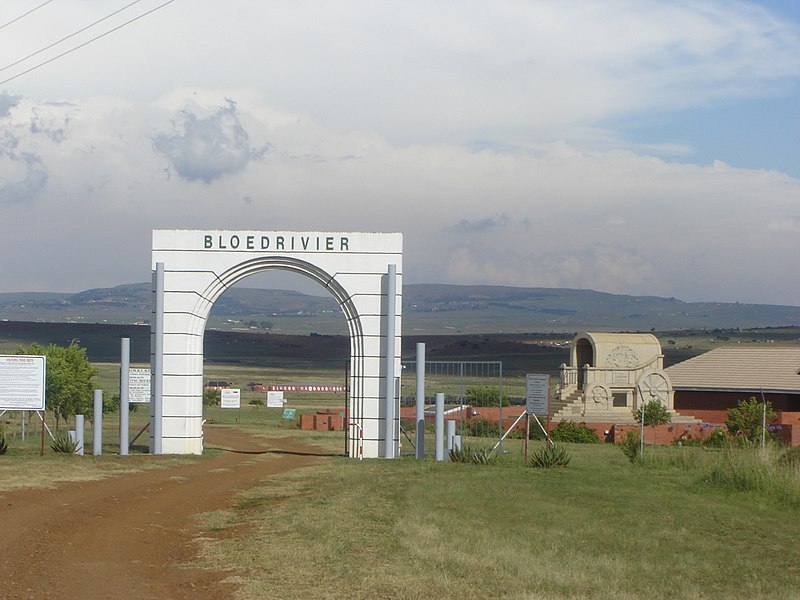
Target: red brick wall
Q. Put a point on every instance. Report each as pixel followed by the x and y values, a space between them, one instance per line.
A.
pixel 322 421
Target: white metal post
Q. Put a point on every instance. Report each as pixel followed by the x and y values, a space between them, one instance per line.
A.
pixel 97 424
pixel 451 434
pixel 420 401
pixel 79 434
pixel 158 360
pixel 124 394
pixel 391 315
pixel 439 429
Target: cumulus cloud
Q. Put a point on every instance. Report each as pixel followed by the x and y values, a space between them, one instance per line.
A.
pixel 495 136
pixel 26 176
pixel 7 102
pixel 557 216
pixel 23 173
pixel 208 148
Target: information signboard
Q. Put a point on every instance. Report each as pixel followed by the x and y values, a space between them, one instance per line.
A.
pixel 139 386
pixel 275 400
pixel 22 382
pixel 537 394
pixel 230 398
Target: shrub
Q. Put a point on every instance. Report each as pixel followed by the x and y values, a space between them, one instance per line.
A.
pixel 790 457
pixel 211 397
pixel 536 432
pixel 63 444
pixel 485 395
pixel 483 428
pixel 745 420
pixel 550 457
pixel 655 413
pixel 567 431
pixel 68 381
pixel 718 439
pixel 631 446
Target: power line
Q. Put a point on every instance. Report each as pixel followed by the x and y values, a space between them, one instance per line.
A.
pixel 86 43
pixel 71 35
pixel 22 16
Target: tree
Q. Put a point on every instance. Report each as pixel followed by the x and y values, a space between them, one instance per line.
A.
pixel 485 395
pixel 68 379
pixel 745 421
pixel 211 397
pixel 655 413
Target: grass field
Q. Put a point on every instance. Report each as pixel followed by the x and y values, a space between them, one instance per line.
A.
pixel 601 528
pixel 686 523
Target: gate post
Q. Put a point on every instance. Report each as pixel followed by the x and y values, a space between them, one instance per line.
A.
pixel 420 428
pixel 391 315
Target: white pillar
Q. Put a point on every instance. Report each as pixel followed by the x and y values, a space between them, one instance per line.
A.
pixel 439 433
pixel 97 424
pixel 420 401
pixel 124 394
pixel 158 362
pixel 391 316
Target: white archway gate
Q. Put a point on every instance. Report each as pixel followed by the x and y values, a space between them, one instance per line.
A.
pixel 362 271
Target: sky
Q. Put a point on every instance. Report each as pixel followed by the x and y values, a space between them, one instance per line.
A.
pixel 627 146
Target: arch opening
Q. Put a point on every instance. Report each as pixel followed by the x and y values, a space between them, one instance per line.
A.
pixel 263 343
pixel 584 355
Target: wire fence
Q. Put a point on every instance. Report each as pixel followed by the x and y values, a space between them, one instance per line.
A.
pixel 459 381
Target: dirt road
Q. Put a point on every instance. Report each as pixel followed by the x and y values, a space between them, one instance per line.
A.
pixel 126 536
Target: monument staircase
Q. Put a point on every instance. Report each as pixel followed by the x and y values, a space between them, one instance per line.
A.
pixel 570 408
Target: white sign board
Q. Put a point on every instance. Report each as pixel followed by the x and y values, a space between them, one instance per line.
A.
pixel 230 398
pixel 138 386
pixel 22 382
pixel 537 394
pixel 275 400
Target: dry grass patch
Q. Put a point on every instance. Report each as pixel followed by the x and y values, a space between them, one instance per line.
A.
pixel 31 471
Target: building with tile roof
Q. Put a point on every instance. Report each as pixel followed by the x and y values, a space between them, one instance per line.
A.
pixel 707 385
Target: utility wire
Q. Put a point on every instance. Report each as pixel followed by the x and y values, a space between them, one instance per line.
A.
pixel 22 16
pixel 86 43
pixel 71 35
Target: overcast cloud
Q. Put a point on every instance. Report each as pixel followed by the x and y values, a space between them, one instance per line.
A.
pixel 514 143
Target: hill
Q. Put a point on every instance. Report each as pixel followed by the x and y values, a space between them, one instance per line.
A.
pixel 427 309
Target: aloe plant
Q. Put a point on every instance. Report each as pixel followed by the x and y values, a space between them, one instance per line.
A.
pixel 479 456
pixel 63 444
pixel 550 456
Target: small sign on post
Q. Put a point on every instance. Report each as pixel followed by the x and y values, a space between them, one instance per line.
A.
pixel 275 400
pixel 22 382
pixel 537 402
pixel 138 386
pixel 230 398
pixel 537 394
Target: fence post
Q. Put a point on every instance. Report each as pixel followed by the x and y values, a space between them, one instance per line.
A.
pixel 439 433
pixel 420 427
pixel 97 424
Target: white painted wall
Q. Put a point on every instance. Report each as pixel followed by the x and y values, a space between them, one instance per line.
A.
pixel 200 265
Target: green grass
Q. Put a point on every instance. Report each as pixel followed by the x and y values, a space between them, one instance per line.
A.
pixel 601 528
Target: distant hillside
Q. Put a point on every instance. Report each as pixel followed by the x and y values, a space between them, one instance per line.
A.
pixel 427 308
